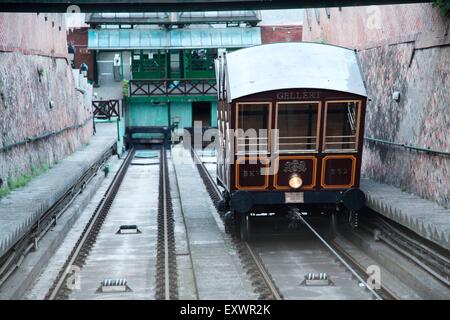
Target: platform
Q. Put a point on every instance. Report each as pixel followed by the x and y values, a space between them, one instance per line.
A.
pixel 214 260
pixel 22 207
pixel 422 216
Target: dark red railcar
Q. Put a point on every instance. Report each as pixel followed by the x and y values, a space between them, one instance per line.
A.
pixel 291 123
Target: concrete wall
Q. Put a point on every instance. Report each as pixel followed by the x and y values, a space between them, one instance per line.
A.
pixel 38 94
pixel 182 111
pixel 402 48
pixel 144 114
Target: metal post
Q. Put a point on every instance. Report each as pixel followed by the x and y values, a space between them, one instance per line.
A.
pixel 95 67
pixel 121 65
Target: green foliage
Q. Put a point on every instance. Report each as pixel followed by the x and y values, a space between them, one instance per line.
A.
pixel 5 138
pixel 2 95
pixel 4 191
pixel 10 183
pixel 22 180
pixel 443 5
pixel 40 73
pixel 125 88
pixel 106 169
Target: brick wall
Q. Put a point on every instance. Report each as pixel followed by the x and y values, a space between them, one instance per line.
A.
pixel 271 34
pixel 402 48
pixel 38 95
pixel 79 37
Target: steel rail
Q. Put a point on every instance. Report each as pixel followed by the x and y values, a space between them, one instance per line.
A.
pixel 255 258
pixel 342 260
pixel 11 261
pixel 102 209
pixel 166 235
pixel 414 250
pixel 267 279
pixel 411 256
pixel 258 263
pixel 341 250
pixel 166 264
pixel 207 175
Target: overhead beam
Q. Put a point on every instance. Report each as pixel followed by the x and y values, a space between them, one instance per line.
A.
pixel 178 5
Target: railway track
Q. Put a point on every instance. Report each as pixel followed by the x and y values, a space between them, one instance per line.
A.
pixel 166 259
pixel 15 256
pixel 425 254
pixel 157 235
pixel 261 279
pixel 260 271
pixel 77 257
pixel 338 253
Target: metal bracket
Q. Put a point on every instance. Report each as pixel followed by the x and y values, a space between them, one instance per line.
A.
pixel 316 279
pixel 114 285
pixel 128 229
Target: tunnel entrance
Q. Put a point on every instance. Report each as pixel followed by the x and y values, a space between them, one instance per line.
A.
pixel 201 111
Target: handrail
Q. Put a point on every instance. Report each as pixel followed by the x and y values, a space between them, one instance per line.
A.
pixel 296 143
pixel 406 146
pixel 105 109
pixel 43 136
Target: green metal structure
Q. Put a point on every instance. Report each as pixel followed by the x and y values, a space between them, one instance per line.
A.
pixel 149 64
pixel 172 81
pixel 160 64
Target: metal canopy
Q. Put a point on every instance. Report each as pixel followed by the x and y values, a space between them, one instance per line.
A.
pixel 178 5
pixel 292 65
pixel 175 18
pixel 121 39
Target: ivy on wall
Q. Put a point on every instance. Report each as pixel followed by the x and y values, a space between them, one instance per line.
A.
pixel 443 5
